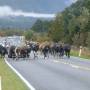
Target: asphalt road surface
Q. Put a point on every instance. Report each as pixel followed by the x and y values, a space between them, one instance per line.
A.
pixel 55 73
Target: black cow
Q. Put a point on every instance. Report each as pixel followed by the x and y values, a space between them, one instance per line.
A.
pixel 11 52
pixel 3 51
pixel 46 51
pixel 67 49
pixel 61 51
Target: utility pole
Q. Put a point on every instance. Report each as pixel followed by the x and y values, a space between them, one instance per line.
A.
pixel 80 51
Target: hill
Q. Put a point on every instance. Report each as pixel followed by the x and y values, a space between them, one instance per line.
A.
pixel 40 6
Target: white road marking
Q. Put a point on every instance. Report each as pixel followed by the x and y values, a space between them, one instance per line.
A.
pixel 56 61
pixel 22 78
pixel 0 83
pixel 73 65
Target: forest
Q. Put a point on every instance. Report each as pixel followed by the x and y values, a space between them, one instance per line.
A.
pixel 70 26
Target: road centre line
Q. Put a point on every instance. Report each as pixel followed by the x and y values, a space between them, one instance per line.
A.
pixel 73 65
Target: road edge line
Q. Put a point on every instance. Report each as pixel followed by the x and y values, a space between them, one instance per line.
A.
pixel 0 83
pixel 20 76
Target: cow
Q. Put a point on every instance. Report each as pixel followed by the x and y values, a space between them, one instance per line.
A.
pixel 3 51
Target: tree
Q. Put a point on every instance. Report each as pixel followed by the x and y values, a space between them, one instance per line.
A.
pixel 73 24
pixel 41 26
pixel 28 35
pixel 56 29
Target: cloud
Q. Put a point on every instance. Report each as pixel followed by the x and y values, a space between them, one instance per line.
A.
pixel 69 2
pixel 8 11
pixel 73 1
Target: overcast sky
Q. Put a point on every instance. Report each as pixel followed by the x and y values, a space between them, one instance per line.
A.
pixel 33 8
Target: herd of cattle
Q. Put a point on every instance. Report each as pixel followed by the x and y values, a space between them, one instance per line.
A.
pixel 54 49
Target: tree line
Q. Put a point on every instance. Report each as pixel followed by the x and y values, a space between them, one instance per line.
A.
pixel 70 26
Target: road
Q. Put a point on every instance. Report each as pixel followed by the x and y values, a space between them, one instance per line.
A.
pixel 54 73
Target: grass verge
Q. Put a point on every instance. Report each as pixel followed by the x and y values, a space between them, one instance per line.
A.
pixel 76 54
pixel 10 81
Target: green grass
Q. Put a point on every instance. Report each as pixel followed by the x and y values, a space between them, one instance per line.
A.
pixel 86 57
pixel 10 81
pixel 76 54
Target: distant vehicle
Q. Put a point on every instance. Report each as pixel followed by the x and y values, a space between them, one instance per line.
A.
pixel 12 40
